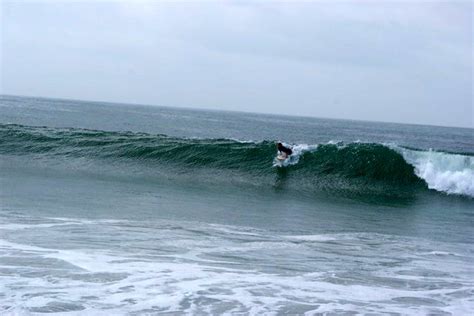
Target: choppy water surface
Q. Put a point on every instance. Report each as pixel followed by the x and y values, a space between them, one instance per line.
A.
pixel 145 210
pixel 123 266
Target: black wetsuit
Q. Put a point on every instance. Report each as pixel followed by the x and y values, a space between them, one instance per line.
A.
pixel 285 150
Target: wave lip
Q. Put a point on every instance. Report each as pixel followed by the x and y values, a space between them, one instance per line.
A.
pixel 444 172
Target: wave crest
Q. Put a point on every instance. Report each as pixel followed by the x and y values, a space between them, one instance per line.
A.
pixel 449 173
pixel 331 165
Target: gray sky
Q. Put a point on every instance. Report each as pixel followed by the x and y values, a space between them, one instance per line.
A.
pixel 399 61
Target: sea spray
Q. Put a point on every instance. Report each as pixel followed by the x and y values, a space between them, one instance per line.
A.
pixel 444 172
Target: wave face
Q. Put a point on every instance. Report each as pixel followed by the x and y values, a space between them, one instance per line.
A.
pixel 332 165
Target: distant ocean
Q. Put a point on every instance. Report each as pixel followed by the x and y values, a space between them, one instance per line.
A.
pixel 129 209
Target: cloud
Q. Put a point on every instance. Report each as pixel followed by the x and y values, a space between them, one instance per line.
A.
pixel 360 60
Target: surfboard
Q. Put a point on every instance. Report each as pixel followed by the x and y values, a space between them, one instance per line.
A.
pixel 282 157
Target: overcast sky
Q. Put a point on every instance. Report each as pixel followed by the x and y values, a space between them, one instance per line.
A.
pixel 398 61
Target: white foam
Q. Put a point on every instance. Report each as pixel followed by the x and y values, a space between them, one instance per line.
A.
pixel 441 253
pixel 215 272
pixel 10 245
pixel 444 172
pixel 321 238
pixel 294 158
pixel 14 226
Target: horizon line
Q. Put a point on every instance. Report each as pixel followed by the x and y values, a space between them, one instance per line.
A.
pixel 234 111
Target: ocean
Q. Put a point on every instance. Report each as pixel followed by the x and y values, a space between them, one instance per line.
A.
pixel 141 210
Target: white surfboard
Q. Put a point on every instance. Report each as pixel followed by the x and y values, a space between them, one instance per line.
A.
pixel 281 160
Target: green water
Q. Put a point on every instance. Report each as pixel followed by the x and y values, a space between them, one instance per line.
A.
pixel 135 210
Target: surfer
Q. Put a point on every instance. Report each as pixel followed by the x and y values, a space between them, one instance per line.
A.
pixel 284 151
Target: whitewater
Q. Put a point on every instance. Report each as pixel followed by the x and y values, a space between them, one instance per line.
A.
pixel 448 173
pixel 140 210
pixel 444 172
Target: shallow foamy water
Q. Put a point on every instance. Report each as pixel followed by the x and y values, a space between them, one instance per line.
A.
pixel 138 267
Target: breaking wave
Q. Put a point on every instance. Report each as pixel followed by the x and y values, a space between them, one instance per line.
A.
pixel 444 172
pixel 329 165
